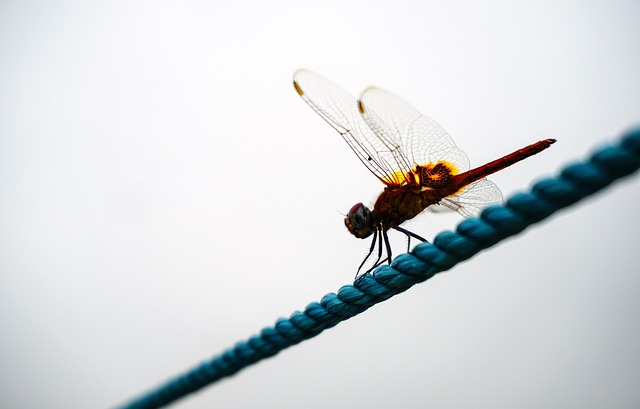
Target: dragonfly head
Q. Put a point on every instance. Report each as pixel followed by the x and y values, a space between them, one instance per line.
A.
pixel 359 221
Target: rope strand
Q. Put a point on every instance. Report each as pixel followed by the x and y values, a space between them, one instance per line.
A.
pixel 575 182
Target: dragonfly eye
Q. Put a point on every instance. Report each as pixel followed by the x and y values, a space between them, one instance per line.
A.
pixel 359 221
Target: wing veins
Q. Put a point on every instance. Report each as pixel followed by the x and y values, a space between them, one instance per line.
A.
pixel 339 109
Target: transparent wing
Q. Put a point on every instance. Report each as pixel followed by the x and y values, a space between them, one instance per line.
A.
pixel 419 140
pixel 340 110
pixel 472 199
pixel 390 137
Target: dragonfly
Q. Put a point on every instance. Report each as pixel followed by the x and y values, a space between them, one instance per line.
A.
pixel 417 161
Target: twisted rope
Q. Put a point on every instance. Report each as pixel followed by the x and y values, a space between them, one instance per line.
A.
pixel 575 182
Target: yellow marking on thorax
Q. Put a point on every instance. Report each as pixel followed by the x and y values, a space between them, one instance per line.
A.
pixel 430 176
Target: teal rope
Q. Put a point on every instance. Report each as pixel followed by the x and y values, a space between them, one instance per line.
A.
pixel 496 223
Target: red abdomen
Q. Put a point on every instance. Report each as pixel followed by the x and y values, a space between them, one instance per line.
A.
pixel 483 171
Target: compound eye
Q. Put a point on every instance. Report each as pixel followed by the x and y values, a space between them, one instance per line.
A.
pixel 358 216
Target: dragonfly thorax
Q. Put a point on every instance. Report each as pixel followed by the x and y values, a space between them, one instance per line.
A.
pixel 435 175
pixel 359 221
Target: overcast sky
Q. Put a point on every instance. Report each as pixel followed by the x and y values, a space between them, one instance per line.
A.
pixel 165 193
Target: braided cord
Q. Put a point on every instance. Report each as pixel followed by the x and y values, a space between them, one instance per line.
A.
pixel 575 182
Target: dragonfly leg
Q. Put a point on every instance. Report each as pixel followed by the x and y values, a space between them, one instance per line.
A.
pixel 380 260
pixel 379 237
pixel 371 248
pixel 410 234
pixel 387 245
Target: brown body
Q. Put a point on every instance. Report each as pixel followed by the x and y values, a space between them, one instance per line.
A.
pixel 397 204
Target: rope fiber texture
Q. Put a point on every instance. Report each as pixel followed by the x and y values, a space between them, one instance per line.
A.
pixel 575 182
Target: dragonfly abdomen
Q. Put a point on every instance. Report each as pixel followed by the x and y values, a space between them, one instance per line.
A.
pixel 483 171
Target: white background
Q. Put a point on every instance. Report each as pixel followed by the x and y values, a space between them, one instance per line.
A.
pixel 165 193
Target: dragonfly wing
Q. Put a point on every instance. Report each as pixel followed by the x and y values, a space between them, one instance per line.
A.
pixel 473 198
pixel 440 208
pixel 419 138
pixel 340 110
